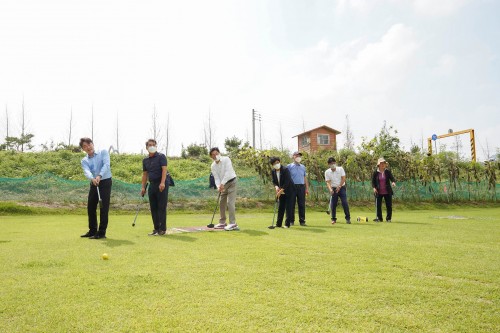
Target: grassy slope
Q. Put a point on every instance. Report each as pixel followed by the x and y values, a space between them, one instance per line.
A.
pixel 125 167
pixel 426 272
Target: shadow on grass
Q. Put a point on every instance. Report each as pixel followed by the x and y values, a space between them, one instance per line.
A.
pixel 404 222
pixel 316 230
pixel 254 232
pixel 117 242
pixel 7 241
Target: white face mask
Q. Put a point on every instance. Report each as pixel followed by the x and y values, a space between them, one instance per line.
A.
pixel 217 157
pixel 277 166
pixel 298 159
pixel 333 166
pixel 152 149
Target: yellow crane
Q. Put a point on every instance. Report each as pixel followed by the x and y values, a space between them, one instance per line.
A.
pixel 451 133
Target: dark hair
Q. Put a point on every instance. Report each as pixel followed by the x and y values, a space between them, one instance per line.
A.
pixel 213 149
pixel 85 140
pixel 274 159
pixel 331 160
pixel 150 140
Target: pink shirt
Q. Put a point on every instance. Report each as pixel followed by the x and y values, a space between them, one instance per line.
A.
pixel 383 186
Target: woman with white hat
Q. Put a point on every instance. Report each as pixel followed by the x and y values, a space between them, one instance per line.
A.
pixel 382 180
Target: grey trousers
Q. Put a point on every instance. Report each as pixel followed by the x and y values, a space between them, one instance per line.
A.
pixel 228 199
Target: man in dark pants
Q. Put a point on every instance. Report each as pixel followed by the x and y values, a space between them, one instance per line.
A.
pixel 97 168
pixel 284 188
pixel 300 188
pixel 154 168
pixel 336 182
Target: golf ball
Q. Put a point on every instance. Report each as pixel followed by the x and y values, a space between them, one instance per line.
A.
pixel 105 256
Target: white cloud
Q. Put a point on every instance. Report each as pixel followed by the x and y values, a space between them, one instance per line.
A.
pixel 446 66
pixel 438 8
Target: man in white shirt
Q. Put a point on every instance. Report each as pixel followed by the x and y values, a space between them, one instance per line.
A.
pixel 225 180
pixel 335 181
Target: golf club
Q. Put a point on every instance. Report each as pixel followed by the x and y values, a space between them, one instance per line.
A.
pixel 99 195
pixel 275 205
pixel 328 211
pixel 139 204
pixel 211 225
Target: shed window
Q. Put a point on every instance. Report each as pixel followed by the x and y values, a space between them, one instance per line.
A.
pixel 323 139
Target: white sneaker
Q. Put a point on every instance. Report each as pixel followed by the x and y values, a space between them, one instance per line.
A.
pixel 220 226
pixel 231 227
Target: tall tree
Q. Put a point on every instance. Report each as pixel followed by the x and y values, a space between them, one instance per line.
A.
pixel 457 146
pixel 281 139
pixel 92 124
pixel 167 136
pixel 70 126
pixel 209 132
pixel 155 126
pixel 232 145
pixel 349 137
pixel 6 120
pixel 24 141
pixel 117 135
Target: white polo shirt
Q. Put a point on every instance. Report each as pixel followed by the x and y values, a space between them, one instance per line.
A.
pixel 222 171
pixel 335 177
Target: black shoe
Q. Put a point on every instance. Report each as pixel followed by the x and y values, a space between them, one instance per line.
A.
pixel 303 224
pixel 376 220
pixel 97 236
pixel 88 234
pixel 153 233
pixel 292 223
pixel 161 232
pixel 348 221
pixel 387 220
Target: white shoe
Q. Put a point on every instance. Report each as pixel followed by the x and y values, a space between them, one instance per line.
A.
pixel 220 226
pixel 231 227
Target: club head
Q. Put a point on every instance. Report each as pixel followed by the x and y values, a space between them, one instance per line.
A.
pixel 133 224
pixel 211 225
pixel 271 227
pixel 327 212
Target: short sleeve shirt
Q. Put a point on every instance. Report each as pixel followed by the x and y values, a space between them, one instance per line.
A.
pixel 153 165
pixel 335 177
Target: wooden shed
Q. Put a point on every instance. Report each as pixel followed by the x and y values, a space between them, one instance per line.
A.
pixel 319 138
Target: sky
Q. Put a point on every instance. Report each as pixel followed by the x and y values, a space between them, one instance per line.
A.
pixel 421 66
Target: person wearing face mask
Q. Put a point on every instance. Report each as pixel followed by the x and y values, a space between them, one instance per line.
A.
pixel 382 189
pixel 97 168
pixel 154 169
pixel 283 186
pixel 300 188
pixel 225 181
pixel 335 181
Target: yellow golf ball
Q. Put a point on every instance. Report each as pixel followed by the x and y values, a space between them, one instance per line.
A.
pixel 105 256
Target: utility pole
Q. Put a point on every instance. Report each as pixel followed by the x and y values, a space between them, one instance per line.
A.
pixel 256 116
pixel 260 131
pixel 253 127
pixel 92 124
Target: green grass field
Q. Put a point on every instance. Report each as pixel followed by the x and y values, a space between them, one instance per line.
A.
pixel 427 271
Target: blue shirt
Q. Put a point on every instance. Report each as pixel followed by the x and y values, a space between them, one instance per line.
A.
pixel 297 172
pixel 97 165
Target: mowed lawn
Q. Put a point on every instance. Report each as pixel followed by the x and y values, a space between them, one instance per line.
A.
pixel 427 271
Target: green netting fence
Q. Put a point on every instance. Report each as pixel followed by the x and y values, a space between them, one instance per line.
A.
pixel 49 188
